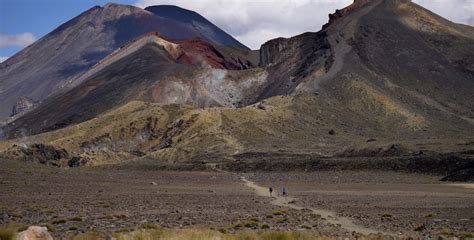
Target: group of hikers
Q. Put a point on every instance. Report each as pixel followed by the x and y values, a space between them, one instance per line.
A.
pixel 284 191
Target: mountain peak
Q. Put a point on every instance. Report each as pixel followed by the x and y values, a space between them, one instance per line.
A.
pixel 176 13
pixel 111 4
pixel 207 29
pixel 340 13
pixel 79 44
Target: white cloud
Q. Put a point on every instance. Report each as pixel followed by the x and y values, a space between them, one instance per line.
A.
pixel 254 22
pixel 16 40
pixel 460 11
pixel 3 59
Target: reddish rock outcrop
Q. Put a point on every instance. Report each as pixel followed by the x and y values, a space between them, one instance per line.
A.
pixel 198 51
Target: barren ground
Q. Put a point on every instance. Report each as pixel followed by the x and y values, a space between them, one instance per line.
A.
pixel 71 201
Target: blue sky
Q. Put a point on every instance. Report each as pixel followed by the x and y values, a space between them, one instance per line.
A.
pixel 24 21
pixel 39 17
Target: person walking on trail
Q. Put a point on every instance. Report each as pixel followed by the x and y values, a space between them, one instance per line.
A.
pixel 284 191
pixel 271 191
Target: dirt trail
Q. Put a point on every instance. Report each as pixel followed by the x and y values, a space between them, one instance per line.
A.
pixel 330 216
pixel 342 31
pixel 463 185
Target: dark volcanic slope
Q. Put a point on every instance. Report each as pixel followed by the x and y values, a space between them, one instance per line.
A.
pixel 74 47
pixel 391 56
pixel 111 87
pixel 147 69
pixel 398 40
pixel 206 29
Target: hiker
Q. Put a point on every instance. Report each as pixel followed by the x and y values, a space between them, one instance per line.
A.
pixel 284 191
pixel 271 190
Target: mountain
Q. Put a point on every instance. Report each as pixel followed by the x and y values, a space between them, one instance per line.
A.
pixel 44 67
pixel 383 79
pixel 390 60
pixel 206 29
pixel 148 69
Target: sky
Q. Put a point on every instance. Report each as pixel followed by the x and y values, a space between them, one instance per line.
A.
pixel 252 22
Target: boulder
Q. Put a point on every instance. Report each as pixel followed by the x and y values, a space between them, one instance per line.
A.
pixel 76 162
pixel 35 233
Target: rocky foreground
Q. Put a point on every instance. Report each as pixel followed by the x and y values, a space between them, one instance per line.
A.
pixel 116 201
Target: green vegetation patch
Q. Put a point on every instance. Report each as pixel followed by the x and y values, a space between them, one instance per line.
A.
pixel 251 224
pixel 148 226
pixel 280 212
pixel 76 219
pixel 59 221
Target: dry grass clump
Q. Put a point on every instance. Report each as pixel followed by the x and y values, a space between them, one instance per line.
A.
pixel 76 219
pixel 306 226
pixel 251 224
pixel 88 236
pixel 387 215
pixel 148 226
pixel 200 234
pixel 59 221
pixel 280 213
pixel 7 233
pixel 153 232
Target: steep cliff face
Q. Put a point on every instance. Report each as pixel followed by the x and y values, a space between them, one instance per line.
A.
pixel 290 61
pixel 48 64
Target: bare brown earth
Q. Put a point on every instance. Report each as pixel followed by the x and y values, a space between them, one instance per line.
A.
pixel 109 200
